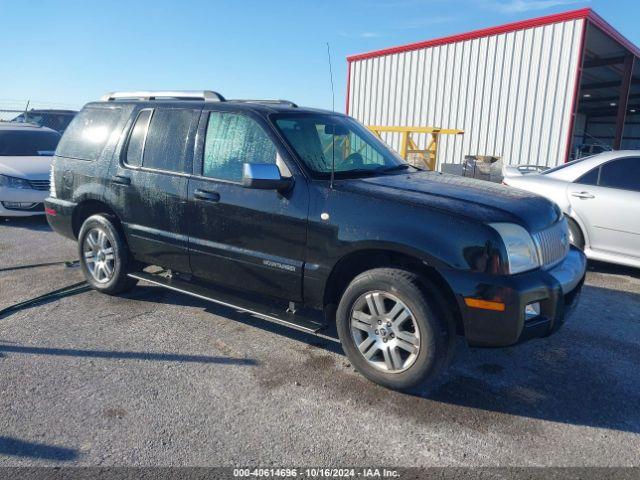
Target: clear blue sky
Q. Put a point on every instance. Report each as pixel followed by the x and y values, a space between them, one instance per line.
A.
pixel 71 52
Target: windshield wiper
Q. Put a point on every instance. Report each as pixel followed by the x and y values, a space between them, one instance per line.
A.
pixel 356 172
pixel 402 166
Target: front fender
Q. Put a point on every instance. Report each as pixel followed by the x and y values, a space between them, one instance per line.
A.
pixel 359 223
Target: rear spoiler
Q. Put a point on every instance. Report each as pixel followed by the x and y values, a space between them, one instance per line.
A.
pixel 520 170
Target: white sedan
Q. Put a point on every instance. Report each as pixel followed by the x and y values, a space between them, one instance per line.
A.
pixel 25 161
pixel 600 195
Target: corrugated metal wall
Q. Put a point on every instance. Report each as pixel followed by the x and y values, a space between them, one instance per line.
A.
pixel 511 93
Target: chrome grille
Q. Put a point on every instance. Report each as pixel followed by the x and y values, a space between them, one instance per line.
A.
pixel 39 184
pixel 553 243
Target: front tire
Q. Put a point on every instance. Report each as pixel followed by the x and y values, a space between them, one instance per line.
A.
pixel 576 238
pixel 393 328
pixel 104 256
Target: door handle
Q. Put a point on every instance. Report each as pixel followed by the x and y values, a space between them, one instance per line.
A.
pixel 583 195
pixel 121 180
pixel 206 195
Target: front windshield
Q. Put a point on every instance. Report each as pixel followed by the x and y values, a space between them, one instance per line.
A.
pixel 321 140
pixel 23 143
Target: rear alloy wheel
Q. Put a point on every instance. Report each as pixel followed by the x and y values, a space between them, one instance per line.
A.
pixel 393 328
pixel 98 255
pixel 104 256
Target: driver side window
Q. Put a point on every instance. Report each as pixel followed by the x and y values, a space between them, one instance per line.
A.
pixel 231 140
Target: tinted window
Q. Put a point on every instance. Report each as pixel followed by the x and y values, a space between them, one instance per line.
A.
pixel 589 178
pixel 169 139
pixel 136 139
pixel 623 173
pixel 27 142
pixel 56 121
pixel 232 140
pixel 89 132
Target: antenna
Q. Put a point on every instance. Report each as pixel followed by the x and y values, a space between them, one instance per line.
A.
pixel 333 95
pixel 333 108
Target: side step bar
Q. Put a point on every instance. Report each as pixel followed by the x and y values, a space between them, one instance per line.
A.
pixel 265 311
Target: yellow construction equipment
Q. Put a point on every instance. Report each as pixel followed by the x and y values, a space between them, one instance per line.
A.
pixel 409 146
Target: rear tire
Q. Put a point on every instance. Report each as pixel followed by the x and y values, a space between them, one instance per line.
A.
pixel 576 238
pixel 104 256
pixel 393 328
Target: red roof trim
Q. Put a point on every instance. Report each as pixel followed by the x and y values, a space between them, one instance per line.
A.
pixel 576 91
pixel 510 27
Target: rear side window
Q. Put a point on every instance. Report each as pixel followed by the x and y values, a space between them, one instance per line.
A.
pixel 232 140
pixel 138 135
pixel 88 133
pixel 169 139
pixel 623 173
pixel 589 178
pixel 27 142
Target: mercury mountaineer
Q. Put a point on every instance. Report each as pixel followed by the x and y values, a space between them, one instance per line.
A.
pixel 305 218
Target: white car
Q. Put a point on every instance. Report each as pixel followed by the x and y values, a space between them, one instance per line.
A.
pixel 25 162
pixel 600 195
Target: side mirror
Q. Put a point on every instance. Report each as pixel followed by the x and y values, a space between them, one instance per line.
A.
pixel 264 176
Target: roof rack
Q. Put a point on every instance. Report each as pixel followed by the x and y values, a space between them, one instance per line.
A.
pixel 267 102
pixel 205 95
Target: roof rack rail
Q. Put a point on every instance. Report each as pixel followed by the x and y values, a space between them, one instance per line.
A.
pixel 205 95
pixel 266 102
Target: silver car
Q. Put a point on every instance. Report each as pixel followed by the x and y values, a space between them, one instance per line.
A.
pixel 600 195
pixel 25 162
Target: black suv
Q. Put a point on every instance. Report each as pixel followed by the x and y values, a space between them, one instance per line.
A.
pixel 284 211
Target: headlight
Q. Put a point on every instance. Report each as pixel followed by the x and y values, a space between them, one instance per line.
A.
pixel 13 182
pixel 522 254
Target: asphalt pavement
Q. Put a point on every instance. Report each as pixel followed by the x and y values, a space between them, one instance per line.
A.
pixel 156 378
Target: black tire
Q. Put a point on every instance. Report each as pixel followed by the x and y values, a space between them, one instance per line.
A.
pixel 435 327
pixel 575 232
pixel 118 281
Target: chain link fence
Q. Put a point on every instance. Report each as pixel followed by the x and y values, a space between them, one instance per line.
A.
pixel 49 114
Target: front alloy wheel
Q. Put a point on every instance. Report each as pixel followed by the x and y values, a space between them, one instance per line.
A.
pixel 394 328
pixel 385 331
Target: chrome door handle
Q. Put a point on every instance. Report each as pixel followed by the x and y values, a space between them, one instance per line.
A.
pixel 206 195
pixel 583 195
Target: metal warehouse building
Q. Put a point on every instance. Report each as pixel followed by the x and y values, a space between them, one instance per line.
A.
pixel 540 91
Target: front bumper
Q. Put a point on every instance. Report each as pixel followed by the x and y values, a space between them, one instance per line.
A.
pixel 30 199
pixel 557 291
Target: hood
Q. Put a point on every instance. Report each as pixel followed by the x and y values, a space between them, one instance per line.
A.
pixel 478 199
pixel 31 168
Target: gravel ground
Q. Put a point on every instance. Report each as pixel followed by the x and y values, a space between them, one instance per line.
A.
pixel 158 378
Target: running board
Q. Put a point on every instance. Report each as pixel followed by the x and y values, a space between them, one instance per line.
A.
pixel 265 311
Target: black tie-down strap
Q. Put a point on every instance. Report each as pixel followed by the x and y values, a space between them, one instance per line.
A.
pixel 67 291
